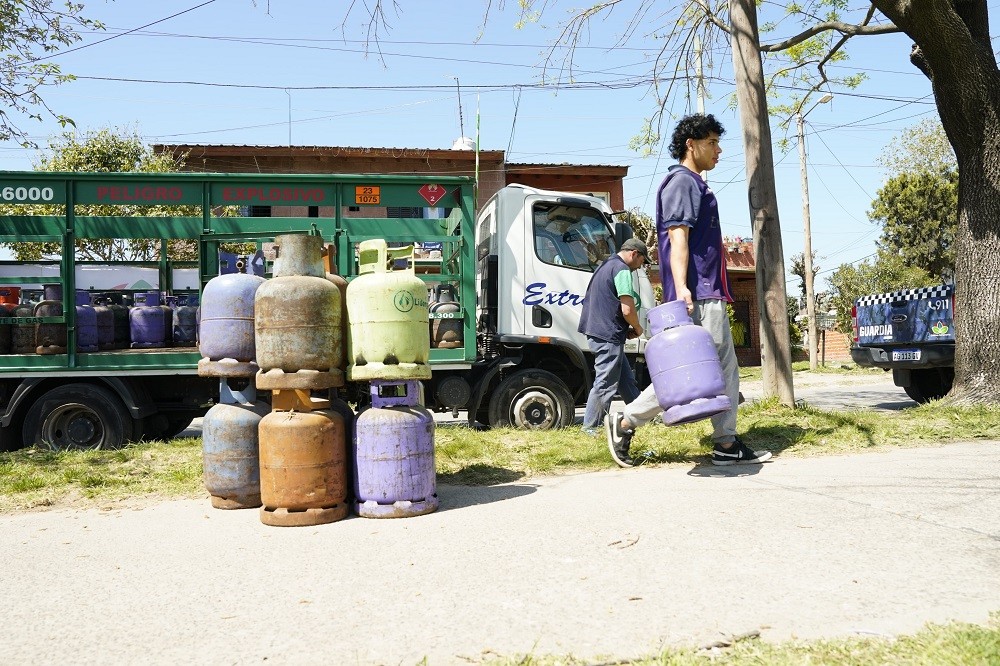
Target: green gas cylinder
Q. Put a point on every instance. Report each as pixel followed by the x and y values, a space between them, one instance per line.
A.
pixel 387 311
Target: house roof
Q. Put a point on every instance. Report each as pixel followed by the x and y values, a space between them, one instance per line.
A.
pixel 739 256
pixel 543 168
pixel 230 150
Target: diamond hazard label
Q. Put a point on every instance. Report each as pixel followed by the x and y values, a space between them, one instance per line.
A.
pixel 432 193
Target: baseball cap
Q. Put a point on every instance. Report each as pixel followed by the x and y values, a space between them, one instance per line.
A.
pixel 638 246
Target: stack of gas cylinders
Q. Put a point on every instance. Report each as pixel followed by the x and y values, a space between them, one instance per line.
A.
pixel 231 465
pixel 389 347
pixel 304 469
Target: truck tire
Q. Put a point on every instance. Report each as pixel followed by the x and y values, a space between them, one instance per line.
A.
pixel 930 384
pixel 77 416
pixel 532 400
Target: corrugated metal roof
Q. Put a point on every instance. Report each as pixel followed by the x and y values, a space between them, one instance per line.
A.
pixel 335 150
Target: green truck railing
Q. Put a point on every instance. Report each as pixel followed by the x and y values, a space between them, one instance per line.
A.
pixel 342 200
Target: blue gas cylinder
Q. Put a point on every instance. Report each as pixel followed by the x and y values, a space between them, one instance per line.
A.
pixel 394 474
pixel 231 466
pixel 87 336
pixel 226 326
pixel 684 366
pixel 146 321
pixel 185 320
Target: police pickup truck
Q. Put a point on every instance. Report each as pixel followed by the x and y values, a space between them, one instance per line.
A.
pixel 912 333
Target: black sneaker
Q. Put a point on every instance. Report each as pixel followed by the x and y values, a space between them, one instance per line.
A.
pixel 619 440
pixel 740 454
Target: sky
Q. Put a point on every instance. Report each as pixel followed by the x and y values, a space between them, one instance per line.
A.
pixel 279 72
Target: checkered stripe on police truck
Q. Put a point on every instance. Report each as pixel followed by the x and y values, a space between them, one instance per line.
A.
pixel 939 291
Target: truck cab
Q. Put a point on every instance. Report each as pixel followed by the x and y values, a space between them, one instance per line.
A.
pixel 536 251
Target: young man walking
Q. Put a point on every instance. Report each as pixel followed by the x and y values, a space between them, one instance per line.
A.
pixel 693 269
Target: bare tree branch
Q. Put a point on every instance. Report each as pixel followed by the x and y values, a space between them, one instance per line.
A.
pixel 848 29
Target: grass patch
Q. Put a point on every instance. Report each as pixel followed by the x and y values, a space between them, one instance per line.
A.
pixel 754 373
pixel 31 478
pixel 936 644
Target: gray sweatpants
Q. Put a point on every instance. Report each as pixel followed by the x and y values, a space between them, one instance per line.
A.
pixel 711 315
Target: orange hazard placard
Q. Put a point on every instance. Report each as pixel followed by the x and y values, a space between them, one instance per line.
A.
pixel 368 194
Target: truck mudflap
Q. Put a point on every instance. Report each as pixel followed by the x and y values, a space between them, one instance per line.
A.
pixel 915 356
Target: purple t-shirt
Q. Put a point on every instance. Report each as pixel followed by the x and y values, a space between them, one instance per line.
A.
pixel 684 198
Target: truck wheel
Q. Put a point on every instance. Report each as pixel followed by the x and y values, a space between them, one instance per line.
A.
pixel 532 399
pixel 77 416
pixel 930 384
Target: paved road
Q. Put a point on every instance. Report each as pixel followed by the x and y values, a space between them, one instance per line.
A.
pixel 615 564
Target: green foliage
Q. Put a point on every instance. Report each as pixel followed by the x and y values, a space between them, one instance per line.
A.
pixel 918 205
pixel 110 151
pixel 794 332
pixel 645 141
pixel 798 269
pixel 919 217
pixel 30 29
pixel 642 225
pixel 923 148
pixel 888 272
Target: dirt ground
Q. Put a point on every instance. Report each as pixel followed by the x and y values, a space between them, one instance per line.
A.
pixel 611 565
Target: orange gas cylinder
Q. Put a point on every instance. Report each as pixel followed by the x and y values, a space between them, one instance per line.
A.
pixel 303 468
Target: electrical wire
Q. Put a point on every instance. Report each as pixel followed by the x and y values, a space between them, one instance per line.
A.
pixel 127 32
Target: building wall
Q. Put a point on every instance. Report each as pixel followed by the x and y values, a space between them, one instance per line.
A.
pixel 745 290
pixel 607 179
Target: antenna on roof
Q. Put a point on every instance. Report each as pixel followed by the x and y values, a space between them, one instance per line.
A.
pixel 461 124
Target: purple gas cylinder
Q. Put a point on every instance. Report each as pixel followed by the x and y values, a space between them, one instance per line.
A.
pixel 146 321
pixel 226 325
pixel 394 473
pixel 105 321
pixel 229 437
pixel 86 323
pixel 167 304
pixel 684 366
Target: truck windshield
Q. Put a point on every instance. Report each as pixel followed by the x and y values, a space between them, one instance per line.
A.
pixel 571 236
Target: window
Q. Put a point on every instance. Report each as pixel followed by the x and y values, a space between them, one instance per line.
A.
pixel 571 236
pixel 739 324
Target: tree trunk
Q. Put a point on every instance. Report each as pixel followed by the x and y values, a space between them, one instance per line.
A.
pixel 957 56
pixel 775 346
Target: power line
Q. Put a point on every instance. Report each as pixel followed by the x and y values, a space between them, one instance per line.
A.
pixel 574 85
pixel 127 32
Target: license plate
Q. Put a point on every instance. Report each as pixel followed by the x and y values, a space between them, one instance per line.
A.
pixel 906 355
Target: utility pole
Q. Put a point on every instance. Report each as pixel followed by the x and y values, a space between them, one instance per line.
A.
pixel 775 346
pixel 807 261
pixel 700 75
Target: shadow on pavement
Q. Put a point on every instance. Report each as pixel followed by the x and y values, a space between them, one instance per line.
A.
pixel 459 497
pixel 708 470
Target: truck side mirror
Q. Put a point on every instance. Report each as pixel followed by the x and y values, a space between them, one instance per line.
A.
pixel 622 233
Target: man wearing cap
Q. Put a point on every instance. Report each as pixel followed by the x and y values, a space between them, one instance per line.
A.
pixel 610 316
